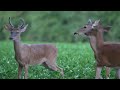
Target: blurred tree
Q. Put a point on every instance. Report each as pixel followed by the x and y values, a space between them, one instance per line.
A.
pixel 58 26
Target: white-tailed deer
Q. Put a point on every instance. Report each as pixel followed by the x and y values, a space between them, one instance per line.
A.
pixel 93 45
pixel 31 54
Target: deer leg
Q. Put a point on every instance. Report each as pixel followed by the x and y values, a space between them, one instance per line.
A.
pixel 26 71
pixel 61 71
pixel 98 73
pixel 118 73
pixel 107 72
pixel 20 67
pixel 45 65
pixel 54 67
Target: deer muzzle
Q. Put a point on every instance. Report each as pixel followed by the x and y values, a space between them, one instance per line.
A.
pixel 76 33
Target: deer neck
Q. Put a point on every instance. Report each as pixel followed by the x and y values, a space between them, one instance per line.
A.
pixel 99 39
pixel 17 46
pixel 92 40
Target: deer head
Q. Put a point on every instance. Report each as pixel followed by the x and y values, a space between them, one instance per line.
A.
pixel 91 28
pixel 85 28
pixel 15 32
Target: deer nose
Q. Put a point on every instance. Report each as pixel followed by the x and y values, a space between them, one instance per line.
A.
pixel 75 33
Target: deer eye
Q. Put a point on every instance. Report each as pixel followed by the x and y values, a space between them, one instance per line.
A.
pixel 85 27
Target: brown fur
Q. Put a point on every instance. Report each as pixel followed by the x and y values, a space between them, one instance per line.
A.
pixel 35 53
pixel 108 54
pixel 32 54
pixel 92 40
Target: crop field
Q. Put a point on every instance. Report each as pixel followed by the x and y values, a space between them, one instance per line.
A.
pixel 76 59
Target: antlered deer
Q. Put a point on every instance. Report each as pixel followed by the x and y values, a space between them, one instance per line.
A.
pixel 31 54
pixel 93 44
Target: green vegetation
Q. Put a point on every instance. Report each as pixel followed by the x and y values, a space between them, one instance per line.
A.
pixel 76 59
pixel 59 26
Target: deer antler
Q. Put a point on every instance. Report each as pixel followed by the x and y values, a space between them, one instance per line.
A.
pixel 95 23
pixel 22 23
pixel 90 21
pixel 10 22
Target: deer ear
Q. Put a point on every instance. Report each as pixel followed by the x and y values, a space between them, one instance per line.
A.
pixel 107 28
pixel 24 28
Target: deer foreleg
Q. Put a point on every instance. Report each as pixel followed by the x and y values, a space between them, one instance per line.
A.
pixel 98 73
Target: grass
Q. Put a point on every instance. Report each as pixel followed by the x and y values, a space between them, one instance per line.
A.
pixel 76 59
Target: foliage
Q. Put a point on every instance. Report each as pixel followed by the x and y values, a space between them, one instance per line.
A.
pixel 58 26
pixel 77 62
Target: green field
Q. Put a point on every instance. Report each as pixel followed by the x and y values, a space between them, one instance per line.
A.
pixel 76 59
